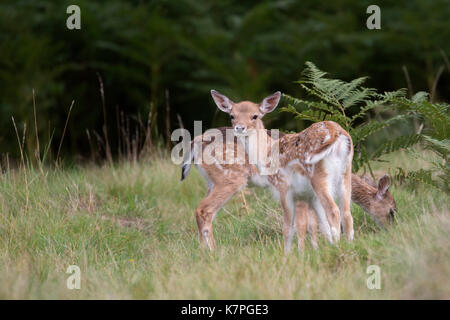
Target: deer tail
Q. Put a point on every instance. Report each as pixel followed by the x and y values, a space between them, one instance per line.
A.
pixel 331 147
pixel 186 167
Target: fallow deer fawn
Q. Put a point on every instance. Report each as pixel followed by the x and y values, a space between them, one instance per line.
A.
pixel 375 200
pixel 314 165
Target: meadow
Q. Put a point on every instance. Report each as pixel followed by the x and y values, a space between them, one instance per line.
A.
pixel 87 116
pixel 131 229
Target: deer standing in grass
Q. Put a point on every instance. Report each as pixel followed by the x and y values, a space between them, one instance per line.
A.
pixel 314 166
pixel 375 199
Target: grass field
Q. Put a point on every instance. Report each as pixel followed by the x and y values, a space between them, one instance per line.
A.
pixel 131 229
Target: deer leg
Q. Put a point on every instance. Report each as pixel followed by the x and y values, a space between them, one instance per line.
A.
pixel 344 205
pixel 325 207
pixel 312 228
pixel 321 216
pixel 301 223
pixel 288 205
pixel 332 212
pixel 207 209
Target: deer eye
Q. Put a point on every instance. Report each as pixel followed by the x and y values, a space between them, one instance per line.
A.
pixel 255 117
pixel 232 117
pixel 391 212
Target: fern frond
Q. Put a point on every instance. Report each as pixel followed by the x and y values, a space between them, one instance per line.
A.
pixel 312 73
pixel 357 96
pixel 437 115
pixel 364 130
pixel 424 176
pixel 360 159
pixel 363 112
pixel 382 99
pixel 442 147
pixel 402 142
pixel 315 91
pixel 306 105
pixel 391 95
pixel 294 102
pixel 420 96
pixel 311 115
pixel 290 109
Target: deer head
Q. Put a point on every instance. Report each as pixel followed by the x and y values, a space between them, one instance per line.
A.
pixel 375 199
pixel 245 115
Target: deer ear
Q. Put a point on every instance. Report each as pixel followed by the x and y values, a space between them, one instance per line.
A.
pixel 222 102
pixel 270 103
pixel 383 186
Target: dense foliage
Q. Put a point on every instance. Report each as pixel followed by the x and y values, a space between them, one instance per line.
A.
pixel 164 56
pixel 334 99
pixel 435 137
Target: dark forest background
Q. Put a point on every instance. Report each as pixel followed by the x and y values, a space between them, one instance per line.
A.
pixel 161 58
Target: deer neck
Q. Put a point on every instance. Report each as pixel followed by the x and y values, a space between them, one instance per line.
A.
pixel 362 193
pixel 259 146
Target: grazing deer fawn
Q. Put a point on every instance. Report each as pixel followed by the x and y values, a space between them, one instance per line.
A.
pixel 313 165
pixel 375 199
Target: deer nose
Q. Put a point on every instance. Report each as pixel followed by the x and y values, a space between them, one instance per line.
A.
pixel 240 129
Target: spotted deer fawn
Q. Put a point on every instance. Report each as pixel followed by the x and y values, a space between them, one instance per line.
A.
pixel 375 200
pixel 313 165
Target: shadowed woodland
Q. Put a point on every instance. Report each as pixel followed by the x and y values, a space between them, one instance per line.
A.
pixel 139 69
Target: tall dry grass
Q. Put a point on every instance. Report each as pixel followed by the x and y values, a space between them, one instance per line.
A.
pixel 130 227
